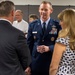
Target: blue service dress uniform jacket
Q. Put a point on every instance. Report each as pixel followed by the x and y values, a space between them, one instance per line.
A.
pixel 41 62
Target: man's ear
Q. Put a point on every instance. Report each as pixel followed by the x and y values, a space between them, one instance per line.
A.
pixel 51 11
pixel 12 13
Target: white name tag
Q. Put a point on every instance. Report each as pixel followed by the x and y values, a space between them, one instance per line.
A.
pixel 34 32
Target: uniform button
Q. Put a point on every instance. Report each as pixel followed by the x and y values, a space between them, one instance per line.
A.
pixel 42 40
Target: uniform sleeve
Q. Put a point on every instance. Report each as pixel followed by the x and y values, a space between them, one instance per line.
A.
pixel 23 51
pixel 30 40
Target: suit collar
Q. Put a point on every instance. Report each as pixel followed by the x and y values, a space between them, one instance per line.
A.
pixel 5 20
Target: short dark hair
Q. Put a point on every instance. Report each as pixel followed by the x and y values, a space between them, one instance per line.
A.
pixel 47 2
pixel 34 16
pixel 6 7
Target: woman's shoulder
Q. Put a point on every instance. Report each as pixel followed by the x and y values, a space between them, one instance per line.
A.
pixel 63 40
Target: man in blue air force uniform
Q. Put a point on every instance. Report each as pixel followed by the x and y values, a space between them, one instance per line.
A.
pixel 41 41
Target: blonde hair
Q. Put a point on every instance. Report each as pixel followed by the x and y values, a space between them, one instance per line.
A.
pixel 67 16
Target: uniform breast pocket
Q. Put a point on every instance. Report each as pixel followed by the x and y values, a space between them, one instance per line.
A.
pixel 52 37
pixel 35 35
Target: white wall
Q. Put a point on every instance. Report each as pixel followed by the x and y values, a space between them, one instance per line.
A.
pixel 37 2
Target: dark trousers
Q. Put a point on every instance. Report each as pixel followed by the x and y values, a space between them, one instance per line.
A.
pixel 40 73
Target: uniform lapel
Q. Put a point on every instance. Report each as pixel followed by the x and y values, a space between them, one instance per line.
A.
pixel 39 27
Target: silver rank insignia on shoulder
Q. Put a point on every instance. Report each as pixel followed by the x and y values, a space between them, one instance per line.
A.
pixel 52 38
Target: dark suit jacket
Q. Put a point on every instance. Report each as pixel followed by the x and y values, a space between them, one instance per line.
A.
pixel 14 53
pixel 40 62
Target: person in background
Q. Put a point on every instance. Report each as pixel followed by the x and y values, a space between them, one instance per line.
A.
pixel 14 52
pixel 32 17
pixel 63 59
pixel 20 23
pixel 41 40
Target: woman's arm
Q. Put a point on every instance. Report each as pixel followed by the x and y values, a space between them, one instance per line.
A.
pixel 57 54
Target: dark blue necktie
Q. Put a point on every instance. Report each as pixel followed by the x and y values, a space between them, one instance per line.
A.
pixel 44 27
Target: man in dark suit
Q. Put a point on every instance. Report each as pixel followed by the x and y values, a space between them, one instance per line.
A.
pixel 14 53
pixel 41 38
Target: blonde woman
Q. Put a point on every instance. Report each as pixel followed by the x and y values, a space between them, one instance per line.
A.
pixel 63 59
